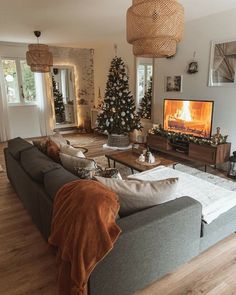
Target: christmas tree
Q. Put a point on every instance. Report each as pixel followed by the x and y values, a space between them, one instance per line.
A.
pixel 118 114
pixel 100 100
pixel 58 102
pixel 145 110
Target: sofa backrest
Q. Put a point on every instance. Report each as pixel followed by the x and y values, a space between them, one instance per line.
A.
pixel 55 179
pixel 36 164
pixel 39 166
pixel 17 145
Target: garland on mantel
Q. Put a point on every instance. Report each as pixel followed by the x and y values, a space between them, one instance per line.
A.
pixel 186 138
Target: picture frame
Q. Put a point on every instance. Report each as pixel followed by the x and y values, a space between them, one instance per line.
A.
pixel 174 83
pixel 222 69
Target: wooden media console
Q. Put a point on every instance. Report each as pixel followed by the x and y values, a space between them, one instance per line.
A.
pixel 205 154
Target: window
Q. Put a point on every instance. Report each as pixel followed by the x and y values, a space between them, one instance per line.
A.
pixel 19 81
pixel 144 76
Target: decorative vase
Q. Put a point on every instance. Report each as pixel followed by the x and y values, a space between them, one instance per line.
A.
pixel 118 140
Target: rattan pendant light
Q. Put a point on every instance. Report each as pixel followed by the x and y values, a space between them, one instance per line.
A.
pixel 154 27
pixel 39 58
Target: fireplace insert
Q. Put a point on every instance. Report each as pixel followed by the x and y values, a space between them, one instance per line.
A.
pixel 193 117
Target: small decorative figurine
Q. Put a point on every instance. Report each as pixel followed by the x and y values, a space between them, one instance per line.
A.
pixel 216 137
pixel 141 158
pixel 150 158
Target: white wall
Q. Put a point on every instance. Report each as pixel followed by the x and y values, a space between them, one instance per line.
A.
pixel 24 121
pixel 198 36
pixel 103 55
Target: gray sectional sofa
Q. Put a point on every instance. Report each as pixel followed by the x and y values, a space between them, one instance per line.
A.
pixel 153 242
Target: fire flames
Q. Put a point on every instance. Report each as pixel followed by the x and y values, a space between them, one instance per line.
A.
pixel 190 117
pixel 185 113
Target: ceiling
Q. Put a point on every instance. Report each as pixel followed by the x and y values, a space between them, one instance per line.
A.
pixel 77 22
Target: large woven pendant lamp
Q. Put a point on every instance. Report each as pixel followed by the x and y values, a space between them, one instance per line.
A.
pixel 154 27
pixel 39 58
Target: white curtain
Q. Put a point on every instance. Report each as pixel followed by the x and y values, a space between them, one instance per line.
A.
pixel 45 103
pixel 4 118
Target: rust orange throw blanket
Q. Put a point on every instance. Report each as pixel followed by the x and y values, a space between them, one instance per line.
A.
pixel 83 230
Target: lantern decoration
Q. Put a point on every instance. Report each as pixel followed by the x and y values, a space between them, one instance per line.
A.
pixel 39 58
pixel 154 27
pixel 232 167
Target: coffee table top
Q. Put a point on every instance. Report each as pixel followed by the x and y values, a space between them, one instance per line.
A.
pixel 129 159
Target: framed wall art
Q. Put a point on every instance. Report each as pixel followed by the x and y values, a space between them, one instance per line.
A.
pixel 173 83
pixel 222 64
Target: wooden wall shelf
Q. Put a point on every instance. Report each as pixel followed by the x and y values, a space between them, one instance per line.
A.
pixel 205 154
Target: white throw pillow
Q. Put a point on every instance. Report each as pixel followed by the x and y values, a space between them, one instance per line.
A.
pixel 71 151
pixel 72 163
pixel 58 139
pixel 137 195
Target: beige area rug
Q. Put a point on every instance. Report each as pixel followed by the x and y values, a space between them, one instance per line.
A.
pixel 80 140
pixel 217 180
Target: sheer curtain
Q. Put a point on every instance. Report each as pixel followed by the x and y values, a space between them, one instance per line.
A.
pixel 44 94
pixel 4 118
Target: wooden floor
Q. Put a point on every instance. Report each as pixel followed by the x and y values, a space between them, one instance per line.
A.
pixel 27 266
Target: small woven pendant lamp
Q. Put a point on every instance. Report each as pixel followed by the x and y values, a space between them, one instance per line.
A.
pixel 38 57
pixel 154 27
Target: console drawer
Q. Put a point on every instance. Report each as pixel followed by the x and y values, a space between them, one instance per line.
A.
pixel 206 154
pixel 158 142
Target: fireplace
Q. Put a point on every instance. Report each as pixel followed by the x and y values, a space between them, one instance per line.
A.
pixel 188 116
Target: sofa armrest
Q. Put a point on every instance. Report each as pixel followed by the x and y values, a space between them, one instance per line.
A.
pixel 153 242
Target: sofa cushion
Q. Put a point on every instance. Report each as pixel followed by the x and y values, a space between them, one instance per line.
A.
pixel 72 164
pixel 17 145
pixel 58 139
pixel 41 144
pixel 36 164
pixel 71 151
pixel 55 179
pixel 138 195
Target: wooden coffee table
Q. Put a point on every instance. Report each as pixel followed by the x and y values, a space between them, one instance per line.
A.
pixel 129 159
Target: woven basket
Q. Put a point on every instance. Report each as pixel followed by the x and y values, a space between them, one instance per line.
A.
pixel 118 140
pixel 154 27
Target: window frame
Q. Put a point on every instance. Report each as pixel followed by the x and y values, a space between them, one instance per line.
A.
pixel 145 62
pixel 20 83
